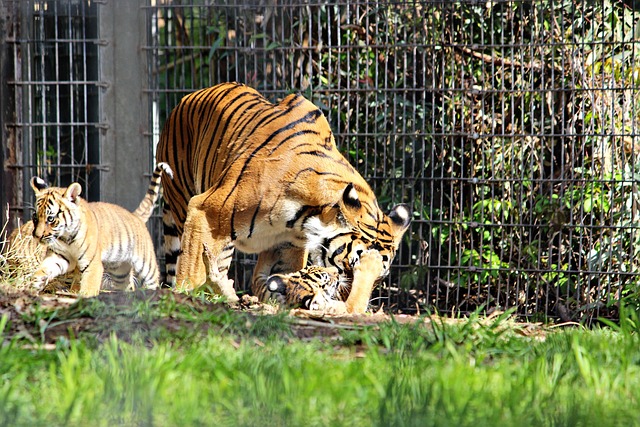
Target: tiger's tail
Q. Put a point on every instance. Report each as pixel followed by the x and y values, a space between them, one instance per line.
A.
pixel 145 208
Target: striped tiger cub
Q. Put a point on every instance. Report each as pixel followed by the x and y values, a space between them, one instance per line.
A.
pixel 312 288
pixel 94 237
pixel 319 288
pixel 267 179
pixel 24 253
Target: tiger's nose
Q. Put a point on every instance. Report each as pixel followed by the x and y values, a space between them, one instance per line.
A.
pixel 39 231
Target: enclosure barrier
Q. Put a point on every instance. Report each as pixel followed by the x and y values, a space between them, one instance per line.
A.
pixel 509 126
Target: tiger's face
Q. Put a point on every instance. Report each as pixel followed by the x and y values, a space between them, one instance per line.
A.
pixel 358 228
pixel 57 215
pixel 310 288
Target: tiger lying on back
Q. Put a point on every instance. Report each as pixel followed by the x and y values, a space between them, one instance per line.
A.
pixel 317 288
pixel 312 288
pixel 94 237
pixel 268 179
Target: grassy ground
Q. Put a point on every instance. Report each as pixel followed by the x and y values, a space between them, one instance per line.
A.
pixel 159 358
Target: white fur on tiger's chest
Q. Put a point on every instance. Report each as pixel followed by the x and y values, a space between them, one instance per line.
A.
pixel 271 231
pixel 70 252
pixel 317 232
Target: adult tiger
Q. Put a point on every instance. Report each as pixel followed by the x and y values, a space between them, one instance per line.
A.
pixel 268 179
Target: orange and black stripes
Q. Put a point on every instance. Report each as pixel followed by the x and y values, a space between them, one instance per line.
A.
pixel 303 287
pixel 148 203
pixel 95 237
pixel 268 179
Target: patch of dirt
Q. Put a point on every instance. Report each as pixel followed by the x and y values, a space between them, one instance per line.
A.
pixel 44 320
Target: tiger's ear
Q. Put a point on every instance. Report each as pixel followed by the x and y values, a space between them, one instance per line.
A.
pixel 72 192
pixel 38 184
pixel 400 216
pixel 350 197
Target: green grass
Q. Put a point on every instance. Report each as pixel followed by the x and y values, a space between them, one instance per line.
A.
pixel 251 370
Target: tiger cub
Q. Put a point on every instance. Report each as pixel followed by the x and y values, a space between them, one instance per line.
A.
pixel 94 237
pixel 312 288
pixel 24 254
pixel 319 288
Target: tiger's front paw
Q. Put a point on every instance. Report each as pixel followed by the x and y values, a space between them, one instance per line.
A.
pixel 39 283
pixel 366 272
pixel 225 286
pixel 319 302
pixel 221 283
pixel 40 280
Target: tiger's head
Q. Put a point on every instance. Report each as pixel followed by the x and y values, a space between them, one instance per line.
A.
pixel 340 234
pixel 310 288
pixel 57 214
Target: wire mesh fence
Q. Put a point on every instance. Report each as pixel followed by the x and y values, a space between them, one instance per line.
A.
pixel 509 126
pixel 55 87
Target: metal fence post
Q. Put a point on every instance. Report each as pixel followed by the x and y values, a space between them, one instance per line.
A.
pixel 6 187
pixel 124 108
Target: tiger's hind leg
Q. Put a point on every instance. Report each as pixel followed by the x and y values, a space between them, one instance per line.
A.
pixel 204 259
pixel 171 247
pixel 146 269
pixel 190 268
pixel 121 278
pixel 281 259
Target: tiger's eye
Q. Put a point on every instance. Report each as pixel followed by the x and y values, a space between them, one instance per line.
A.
pixel 51 218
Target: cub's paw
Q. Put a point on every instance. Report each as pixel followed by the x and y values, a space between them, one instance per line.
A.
pixel 335 308
pixel 249 300
pixel 39 282
pixel 369 261
pixel 319 302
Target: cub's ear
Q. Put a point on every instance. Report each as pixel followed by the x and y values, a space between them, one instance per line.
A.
pixel 38 184
pixel 72 192
pixel 400 216
pixel 350 197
